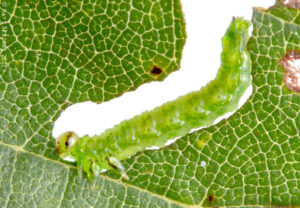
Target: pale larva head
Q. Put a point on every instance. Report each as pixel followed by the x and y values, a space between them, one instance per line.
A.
pixel 65 142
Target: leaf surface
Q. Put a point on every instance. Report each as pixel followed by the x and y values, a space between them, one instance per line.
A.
pixel 57 53
pixel 252 158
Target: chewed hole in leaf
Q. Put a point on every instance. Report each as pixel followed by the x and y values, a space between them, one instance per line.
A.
pixel 292 3
pixel 291 64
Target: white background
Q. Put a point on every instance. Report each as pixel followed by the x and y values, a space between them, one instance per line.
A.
pixel 206 23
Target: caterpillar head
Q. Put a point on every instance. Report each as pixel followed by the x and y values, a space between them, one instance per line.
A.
pixel 65 142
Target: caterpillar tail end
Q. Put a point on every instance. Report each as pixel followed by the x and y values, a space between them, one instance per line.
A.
pixel 124 176
pixel 115 163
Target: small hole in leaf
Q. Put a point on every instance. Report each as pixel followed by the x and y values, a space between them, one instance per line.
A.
pixel 156 70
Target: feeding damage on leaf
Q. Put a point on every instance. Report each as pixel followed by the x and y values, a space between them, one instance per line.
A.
pixel 292 3
pixel 291 64
pixel 99 153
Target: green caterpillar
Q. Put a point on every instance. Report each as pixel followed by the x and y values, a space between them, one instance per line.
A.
pixel 173 119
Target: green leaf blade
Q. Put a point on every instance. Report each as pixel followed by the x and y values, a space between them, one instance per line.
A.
pixel 249 158
pixel 252 158
pixel 64 52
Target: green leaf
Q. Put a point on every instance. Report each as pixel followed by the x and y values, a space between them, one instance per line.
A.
pixel 57 53
pixel 252 158
pixel 63 52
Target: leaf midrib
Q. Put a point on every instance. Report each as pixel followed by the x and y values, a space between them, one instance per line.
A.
pixel 18 149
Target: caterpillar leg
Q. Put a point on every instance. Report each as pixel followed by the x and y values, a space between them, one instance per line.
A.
pixel 93 168
pixel 116 164
pixel 88 166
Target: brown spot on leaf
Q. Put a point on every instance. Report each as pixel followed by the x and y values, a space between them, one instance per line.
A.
pixel 291 64
pixel 156 70
pixel 292 3
pixel 210 198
